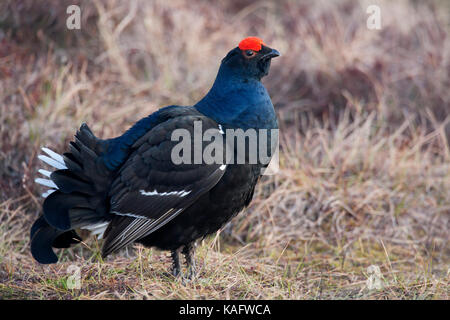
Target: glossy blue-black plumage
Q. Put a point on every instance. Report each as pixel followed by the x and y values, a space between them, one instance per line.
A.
pixel 117 148
pixel 129 174
pixel 238 101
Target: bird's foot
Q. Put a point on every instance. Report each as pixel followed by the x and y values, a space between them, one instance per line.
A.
pixel 176 272
pixel 191 274
pixel 191 267
pixel 188 252
pixel 176 267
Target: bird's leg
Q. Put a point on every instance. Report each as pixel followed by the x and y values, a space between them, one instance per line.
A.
pixel 188 251
pixel 176 268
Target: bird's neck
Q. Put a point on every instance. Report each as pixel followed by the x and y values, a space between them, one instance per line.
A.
pixel 236 101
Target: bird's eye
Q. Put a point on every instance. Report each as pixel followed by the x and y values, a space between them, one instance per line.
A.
pixel 249 53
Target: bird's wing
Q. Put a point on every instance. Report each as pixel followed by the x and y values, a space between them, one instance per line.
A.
pixel 150 189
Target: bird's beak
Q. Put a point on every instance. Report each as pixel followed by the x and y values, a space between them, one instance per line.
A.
pixel 272 54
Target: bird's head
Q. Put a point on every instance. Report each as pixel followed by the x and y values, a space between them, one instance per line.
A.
pixel 250 59
pixel 237 98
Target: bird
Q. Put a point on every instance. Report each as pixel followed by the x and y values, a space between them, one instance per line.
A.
pixel 128 189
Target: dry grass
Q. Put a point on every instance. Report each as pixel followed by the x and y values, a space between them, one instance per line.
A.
pixel 365 159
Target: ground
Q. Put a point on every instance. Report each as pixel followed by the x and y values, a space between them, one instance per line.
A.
pixel 360 208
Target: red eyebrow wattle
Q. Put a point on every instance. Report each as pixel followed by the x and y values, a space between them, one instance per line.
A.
pixel 251 43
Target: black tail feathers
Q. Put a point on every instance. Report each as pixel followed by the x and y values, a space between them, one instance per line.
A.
pixel 77 198
pixel 44 237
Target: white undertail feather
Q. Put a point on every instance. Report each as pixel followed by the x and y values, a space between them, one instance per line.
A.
pixel 97 229
pixel 45 172
pixel 46 182
pixel 47 193
pixel 54 155
pixel 54 160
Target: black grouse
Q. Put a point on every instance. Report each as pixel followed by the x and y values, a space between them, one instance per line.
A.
pixel 129 188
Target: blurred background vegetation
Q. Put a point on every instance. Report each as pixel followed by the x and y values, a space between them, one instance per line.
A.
pixel 365 131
